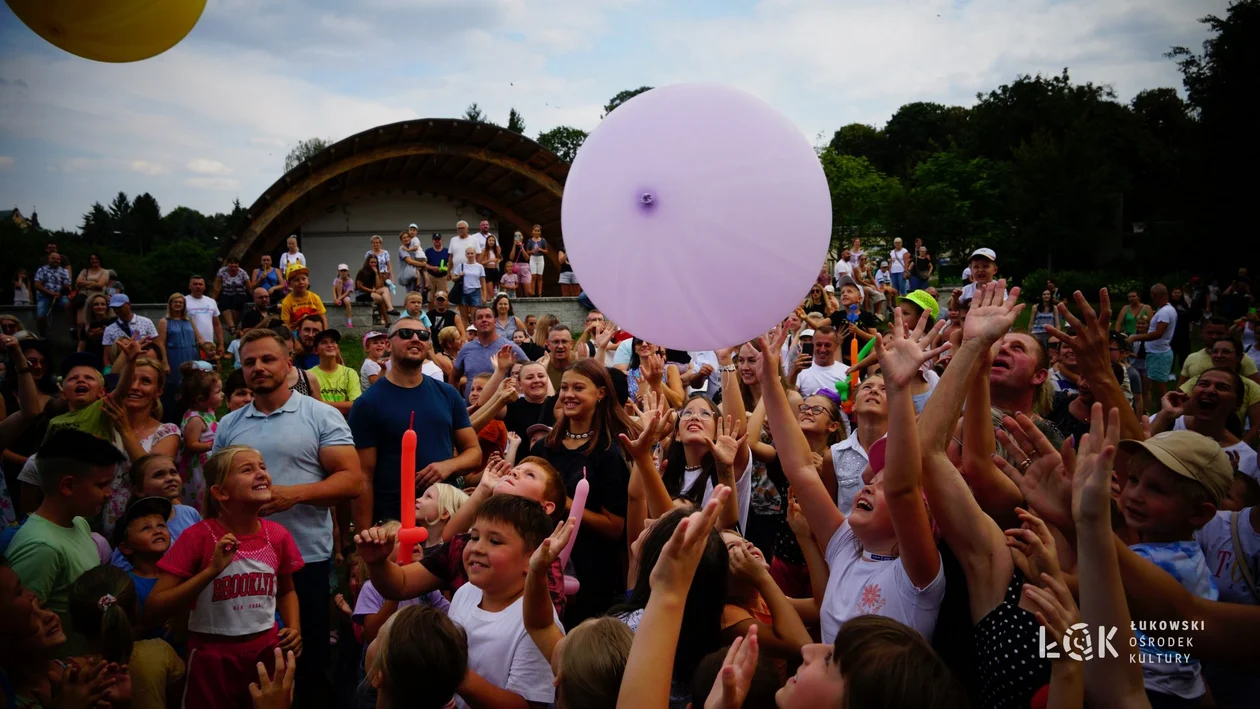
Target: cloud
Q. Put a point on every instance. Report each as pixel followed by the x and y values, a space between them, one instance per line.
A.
pixel 212 183
pixel 144 167
pixel 204 166
pixel 255 78
pixel 6 161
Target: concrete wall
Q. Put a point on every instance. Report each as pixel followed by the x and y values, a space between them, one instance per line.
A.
pixel 566 309
pixel 343 233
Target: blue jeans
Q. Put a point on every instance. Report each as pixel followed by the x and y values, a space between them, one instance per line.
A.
pixel 917 283
pixel 45 303
pixel 899 282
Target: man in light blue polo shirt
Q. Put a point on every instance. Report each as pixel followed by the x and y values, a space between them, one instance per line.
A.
pixel 310 455
pixel 477 355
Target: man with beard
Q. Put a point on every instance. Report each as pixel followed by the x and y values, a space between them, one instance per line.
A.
pixel 309 452
pixel 404 398
pixel 477 355
pixel 261 309
pixel 307 357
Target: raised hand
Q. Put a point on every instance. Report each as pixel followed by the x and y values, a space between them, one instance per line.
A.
pixel 494 472
pixel 730 687
pixel 1090 339
pixel 1043 474
pixel 652 369
pixel 1034 541
pixel 224 550
pixel 276 691
pixel 745 567
pixel 510 391
pixel 504 359
pixel 770 346
pixel 117 415
pixel 1173 404
pixel 731 438
pixel 990 317
pixel 375 545
pixel 547 552
pixel 903 351
pixel 129 347
pixel 796 518
pixel 652 422
pixel 604 336
pixel 1056 609
pixel 676 566
pixel 1091 486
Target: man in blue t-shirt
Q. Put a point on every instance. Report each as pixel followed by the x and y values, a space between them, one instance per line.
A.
pixel 477 355
pixel 438 266
pixel 386 410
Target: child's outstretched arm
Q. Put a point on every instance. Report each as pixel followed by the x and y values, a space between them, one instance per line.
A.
pixel 971 534
pixel 645 683
pixel 397 583
pixel 901 354
pixel 538 611
pixel 794 454
pixel 463 519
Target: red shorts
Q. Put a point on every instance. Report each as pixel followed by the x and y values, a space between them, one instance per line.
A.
pixel 219 674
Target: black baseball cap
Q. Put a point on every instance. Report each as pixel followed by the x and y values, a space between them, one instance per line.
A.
pixel 330 332
pixel 142 507
pixel 436 236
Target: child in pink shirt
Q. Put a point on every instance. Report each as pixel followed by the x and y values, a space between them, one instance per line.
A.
pixel 233 571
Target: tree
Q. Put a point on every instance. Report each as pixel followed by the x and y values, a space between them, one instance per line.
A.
pixel 516 123
pixel 861 141
pixel 917 130
pixel 474 113
pixel 955 203
pixel 303 151
pixel 1220 84
pixel 622 97
pixel 98 227
pixel 859 195
pixel 146 223
pixel 563 141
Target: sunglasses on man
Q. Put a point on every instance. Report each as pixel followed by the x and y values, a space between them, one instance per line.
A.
pixel 406 333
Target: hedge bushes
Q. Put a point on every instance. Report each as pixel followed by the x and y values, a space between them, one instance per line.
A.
pixel 1117 283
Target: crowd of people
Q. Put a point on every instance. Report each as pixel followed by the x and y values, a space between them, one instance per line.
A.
pixel 897 496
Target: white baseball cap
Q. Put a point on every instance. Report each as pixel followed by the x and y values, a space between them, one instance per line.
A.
pixel 412 226
pixel 342 267
pixel 807 333
pixel 984 253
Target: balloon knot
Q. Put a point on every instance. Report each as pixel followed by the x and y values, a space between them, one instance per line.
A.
pixel 646 199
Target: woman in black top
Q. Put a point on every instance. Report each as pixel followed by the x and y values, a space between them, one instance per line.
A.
pixel 922 269
pixel 584 442
pixel 96 317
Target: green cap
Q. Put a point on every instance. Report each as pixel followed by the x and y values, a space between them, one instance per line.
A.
pixel 925 301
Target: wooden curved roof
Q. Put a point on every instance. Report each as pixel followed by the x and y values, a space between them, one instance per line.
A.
pixel 492 167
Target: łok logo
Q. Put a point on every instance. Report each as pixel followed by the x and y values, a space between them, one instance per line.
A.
pixel 1078 643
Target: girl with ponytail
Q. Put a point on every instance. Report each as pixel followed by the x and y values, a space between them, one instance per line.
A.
pixel 104 610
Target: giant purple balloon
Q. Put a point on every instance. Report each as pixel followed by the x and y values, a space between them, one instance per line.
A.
pixel 696 216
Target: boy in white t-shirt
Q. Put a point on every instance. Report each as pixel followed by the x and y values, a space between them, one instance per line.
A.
pixel 502 659
pixel 982 268
pixel 1231 688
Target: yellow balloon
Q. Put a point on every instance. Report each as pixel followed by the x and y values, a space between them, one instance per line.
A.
pixel 110 30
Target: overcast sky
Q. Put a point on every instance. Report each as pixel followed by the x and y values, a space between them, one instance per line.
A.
pixel 212 119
